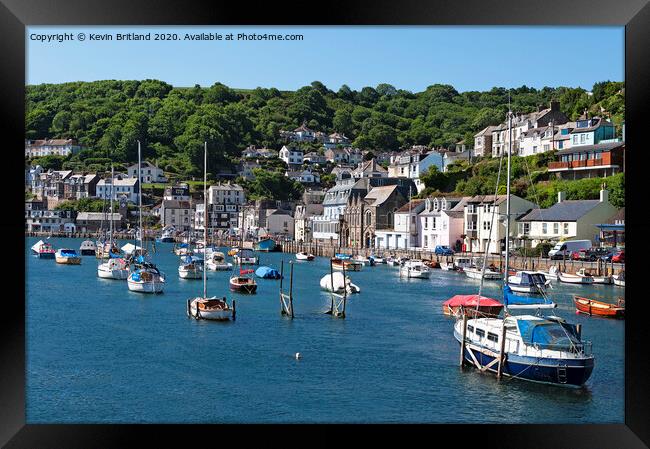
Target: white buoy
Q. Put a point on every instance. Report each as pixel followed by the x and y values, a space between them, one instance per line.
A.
pixel 298 356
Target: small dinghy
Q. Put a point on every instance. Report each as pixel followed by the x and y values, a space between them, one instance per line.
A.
pixel 217 262
pixel 599 308
pixel 350 265
pixel 267 273
pixel 243 283
pixel 573 278
pixel 339 283
pixel 583 272
pixel 619 279
pixel 304 256
pixel 216 309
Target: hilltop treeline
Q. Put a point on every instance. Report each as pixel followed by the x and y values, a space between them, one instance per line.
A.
pixel 172 123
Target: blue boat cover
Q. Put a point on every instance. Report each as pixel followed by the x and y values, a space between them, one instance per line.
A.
pixel 342 256
pixel 510 298
pixel 68 253
pixel 136 276
pixel 140 259
pixel 548 334
pixel 267 273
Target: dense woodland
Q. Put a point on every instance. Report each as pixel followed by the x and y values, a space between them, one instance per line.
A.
pixel 107 117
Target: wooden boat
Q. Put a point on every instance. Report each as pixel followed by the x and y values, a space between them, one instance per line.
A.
pixel 350 265
pixel 472 305
pixel 583 272
pixel 574 279
pixel 67 256
pixel 243 284
pixel 599 308
pixel 87 248
pixel 43 250
pixel 304 256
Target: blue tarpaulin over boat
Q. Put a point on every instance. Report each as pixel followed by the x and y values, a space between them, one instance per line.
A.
pixel 548 334
pixel 510 299
pixel 267 273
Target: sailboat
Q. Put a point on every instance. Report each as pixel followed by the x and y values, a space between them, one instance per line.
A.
pixel 191 267
pixel 536 348
pixel 204 307
pixel 115 267
pixel 144 277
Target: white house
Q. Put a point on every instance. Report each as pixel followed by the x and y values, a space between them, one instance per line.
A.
pixel 414 162
pixel 148 172
pixel 178 214
pixel 226 193
pixel 280 222
pixel 127 188
pixel 484 219
pixel 291 156
pixel 314 158
pixel 483 141
pixel 51 147
pixel 442 222
pixel 405 232
pixel 303 177
pixel 302 220
pixel 566 219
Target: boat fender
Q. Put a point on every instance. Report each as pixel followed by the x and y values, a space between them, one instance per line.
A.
pixel 298 356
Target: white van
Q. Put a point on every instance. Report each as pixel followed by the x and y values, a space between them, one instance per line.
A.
pixel 562 249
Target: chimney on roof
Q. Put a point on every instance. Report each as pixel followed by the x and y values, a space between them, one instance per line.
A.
pixel 540 108
pixel 604 194
pixel 561 196
pixel 555 105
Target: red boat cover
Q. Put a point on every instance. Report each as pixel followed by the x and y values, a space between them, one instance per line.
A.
pixel 471 301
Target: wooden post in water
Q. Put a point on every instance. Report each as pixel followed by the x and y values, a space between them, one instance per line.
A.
pixel 462 342
pixel 282 312
pixel 291 289
pixel 502 350
pixel 234 310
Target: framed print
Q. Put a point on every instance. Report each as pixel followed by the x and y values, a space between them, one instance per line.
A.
pixel 407 219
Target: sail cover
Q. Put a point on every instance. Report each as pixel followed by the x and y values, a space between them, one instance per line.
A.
pixel 515 301
pixel 267 273
pixel 548 334
pixel 471 301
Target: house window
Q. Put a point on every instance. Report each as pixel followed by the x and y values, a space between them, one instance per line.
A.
pixel 556 228
pixel 426 241
pixel 368 218
pixel 582 138
pixel 426 223
pixel 575 139
pixel 566 228
pixel 544 228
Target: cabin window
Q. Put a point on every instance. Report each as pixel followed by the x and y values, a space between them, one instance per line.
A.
pixel 480 332
pixel 493 337
pixel 470 328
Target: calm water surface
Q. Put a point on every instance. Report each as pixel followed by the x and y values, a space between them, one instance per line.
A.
pixel 97 353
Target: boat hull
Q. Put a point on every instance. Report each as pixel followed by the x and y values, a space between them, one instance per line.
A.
pixel 597 308
pixel 570 372
pixel 166 240
pixel 415 274
pixel 481 312
pixel 45 255
pixel 308 257
pixel 349 266
pixel 190 274
pixel 488 276
pixel 575 279
pixel 210 314
pixel 244 288
pixel 146 287
pixel 68 260
pixel 218 266
pixel 619 282
pixel 87 252
pixel 265 245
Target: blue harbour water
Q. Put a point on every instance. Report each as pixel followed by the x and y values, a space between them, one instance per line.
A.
pixel 97 353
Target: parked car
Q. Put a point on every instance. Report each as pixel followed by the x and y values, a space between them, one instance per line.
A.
pixel 619 257
pixel 578 255
pixel 600 253
pixel 443 250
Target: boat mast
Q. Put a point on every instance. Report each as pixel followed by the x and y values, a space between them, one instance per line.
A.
pixel 140 200
pixel 505 275
pixel 111 217
pixel 205 215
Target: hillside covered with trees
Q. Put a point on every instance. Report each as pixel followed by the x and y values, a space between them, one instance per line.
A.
pixel 107 117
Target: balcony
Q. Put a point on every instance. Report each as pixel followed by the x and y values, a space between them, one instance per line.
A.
pixel 585 163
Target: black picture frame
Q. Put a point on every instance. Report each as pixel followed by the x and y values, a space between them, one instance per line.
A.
pixel 633 14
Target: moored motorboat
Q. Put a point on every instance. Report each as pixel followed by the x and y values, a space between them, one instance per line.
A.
pixel 528 282
pixel 167 235
pixel 246 257
pixel 304 256
pixel 113 268
pixel 540 349
pixel 43 250
pixel 339 283
pixel 415 268
pixel 183 249
pixel 67 256
pixel 583 272
pixel 265 244
pixel 87 248
pixel 490 274
pixel 350 265
pixel 599 308
pixel 191 267
pixel 217 262
pixel 460 263
pixel 473 305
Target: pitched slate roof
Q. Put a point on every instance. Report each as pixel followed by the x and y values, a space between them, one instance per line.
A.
pixel 569 210
pixel 599 122
pixel 413 205
pixel 380 194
